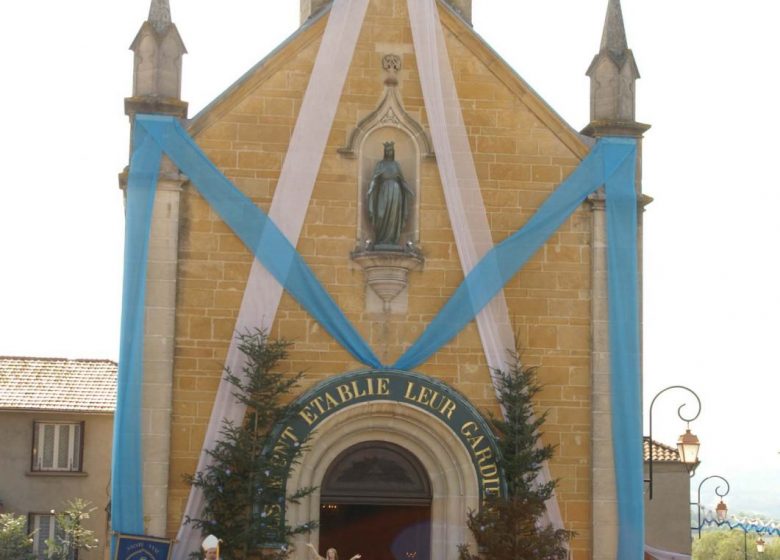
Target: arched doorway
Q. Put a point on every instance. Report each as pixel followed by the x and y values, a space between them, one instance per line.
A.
pixel 447 461
pixel 376 501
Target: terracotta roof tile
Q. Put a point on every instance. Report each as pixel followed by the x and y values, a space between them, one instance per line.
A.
pixel 57 384
pixel 661 453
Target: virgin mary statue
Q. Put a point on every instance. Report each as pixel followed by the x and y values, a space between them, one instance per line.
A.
pixel 388 200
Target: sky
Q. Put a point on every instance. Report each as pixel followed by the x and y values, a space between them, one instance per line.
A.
pixel 709 88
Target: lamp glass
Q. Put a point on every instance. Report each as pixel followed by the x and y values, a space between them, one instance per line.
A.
pixel 721 511
pixel 688 448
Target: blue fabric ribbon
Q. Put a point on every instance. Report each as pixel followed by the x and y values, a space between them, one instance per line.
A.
pixel 258 232
pixel 625 388
pixel 610 163
pixel 126 484
pixel 504 260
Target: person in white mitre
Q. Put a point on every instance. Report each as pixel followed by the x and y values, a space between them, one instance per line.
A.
pixel 211 548
pixel 330 554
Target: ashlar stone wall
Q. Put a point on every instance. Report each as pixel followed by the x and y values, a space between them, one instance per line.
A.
pixel 521 151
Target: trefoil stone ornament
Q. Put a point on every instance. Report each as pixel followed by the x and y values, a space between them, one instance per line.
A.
pixel 391 64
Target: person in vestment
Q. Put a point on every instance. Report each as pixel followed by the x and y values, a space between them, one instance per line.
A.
pixel 211 548
pixel 388 199
pixel 330 554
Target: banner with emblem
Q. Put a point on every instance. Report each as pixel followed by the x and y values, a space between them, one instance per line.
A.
pixel 142 547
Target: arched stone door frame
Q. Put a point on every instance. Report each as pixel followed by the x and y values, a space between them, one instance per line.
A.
pixel 454 483
pixel 376 472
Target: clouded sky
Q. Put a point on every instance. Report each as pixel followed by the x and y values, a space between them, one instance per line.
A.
pixel 709 89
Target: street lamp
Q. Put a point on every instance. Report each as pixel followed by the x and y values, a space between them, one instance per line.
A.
pixel 721 510
pixel 760 542
pixel 687 444
pixel 688 449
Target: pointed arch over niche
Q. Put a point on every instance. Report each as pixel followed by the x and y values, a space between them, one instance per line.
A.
pixel 389 122
pixel 389 113
pixel 388 259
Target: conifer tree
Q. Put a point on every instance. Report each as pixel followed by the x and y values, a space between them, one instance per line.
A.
pixel 244 487
pixel 509 527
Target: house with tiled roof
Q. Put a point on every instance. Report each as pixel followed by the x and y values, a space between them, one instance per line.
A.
pixel 667 515
pixel 56 421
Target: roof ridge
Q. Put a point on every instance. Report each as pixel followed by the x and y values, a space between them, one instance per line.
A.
pixel 657 443
pixel 52 358
pixel 85 385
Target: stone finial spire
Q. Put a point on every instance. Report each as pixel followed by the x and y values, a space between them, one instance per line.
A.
pixel 160 15
pixel 613 74
pixel 157 67
pixel 613 38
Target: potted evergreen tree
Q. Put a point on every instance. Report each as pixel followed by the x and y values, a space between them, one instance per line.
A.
pixel 244 486
pixel 509 527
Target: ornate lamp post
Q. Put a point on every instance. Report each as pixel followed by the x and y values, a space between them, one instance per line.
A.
pixel 721 510
pixel 687 444
pixel 760 542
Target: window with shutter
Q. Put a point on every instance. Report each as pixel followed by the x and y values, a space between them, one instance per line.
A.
pixel 44 527
pixel 57 446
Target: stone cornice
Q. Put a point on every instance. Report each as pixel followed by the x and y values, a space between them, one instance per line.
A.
pixel 632 129
pixel 156 106
pixel 167 181
pixel 598 201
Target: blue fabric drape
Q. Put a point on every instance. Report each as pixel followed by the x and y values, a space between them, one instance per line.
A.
pixel 504 260
pixel 258 233
pixel 610 163
pixel 126 487
pixel 625 388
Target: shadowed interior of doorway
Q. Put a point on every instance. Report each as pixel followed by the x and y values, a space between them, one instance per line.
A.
pixel 376 501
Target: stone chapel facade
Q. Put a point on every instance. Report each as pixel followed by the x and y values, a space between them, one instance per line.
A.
pixel 522 150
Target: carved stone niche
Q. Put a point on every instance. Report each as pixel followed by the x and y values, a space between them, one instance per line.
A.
pixel 387 266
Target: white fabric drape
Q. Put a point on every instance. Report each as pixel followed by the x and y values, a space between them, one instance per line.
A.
pixel 466 208
pixel 293 193
pixel 288 210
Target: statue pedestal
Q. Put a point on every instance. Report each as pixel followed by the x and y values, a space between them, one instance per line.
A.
pixel 387 269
